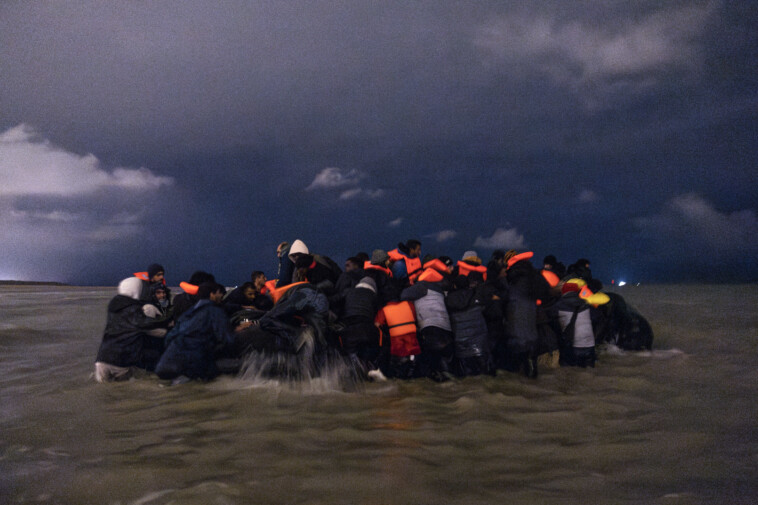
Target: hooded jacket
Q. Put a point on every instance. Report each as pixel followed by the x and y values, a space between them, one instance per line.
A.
pixel 124 335
pixel 190 345
pixel 429 301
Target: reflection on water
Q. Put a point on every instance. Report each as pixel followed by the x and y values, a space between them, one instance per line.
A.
pixel 671 426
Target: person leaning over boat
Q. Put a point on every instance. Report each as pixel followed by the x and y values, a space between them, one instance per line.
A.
pixel 192 343
pixel 123 345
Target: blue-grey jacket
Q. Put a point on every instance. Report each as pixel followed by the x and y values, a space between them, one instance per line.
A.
pixel 191 344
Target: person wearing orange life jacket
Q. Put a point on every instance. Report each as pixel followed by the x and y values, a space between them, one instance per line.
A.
pixel 379 270
pixel 407 262
pixel 435 331
pixel 184 301
pixel 152 277
pixel 397 323
pixel 470 262
pixel 578 345
pixel 525 287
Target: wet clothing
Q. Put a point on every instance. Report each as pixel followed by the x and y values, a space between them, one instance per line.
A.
pixel 386 289
pixel 472 352
pixel 435 331
pixel 192 343
pixel 125 342
pixel 578 338
pixel 301 304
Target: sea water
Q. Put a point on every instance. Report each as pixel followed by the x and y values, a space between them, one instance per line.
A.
pixel 673 426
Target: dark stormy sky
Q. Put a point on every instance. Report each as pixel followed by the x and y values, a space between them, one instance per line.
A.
pixel 201 134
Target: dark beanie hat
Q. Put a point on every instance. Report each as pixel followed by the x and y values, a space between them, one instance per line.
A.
pixel 379 256
pixel 154 269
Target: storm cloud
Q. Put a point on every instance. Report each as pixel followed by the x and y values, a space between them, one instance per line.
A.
pixel 201 134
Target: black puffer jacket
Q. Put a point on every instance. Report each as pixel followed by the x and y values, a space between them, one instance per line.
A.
pixel 525 286
pixel 360 305
pixel 469 327
pixel 124 335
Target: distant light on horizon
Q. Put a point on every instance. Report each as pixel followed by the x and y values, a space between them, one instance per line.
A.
pixel 622 283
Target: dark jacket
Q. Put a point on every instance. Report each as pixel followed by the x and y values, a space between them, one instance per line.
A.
pixel 191 344
pixel 360 305
pixel 386 289
pixel 124 335
pixel 466 307
pixel 235 300
pixel 525 286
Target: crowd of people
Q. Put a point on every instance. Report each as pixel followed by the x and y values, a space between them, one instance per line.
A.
pixel 393 314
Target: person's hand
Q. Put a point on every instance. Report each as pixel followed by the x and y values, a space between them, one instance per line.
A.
pixel 243 325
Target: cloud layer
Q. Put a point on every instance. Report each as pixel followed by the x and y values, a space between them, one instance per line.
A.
pixel 56 204
pixel 502 238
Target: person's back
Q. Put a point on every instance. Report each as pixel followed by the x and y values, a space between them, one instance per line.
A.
pixel 434 326
pixel 525 287
pixel 466 306
pixel 360 338
pixel 190 345
pixel 124 336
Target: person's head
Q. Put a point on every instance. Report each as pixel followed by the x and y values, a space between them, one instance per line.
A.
pixel 583 262
pixel 380 257
pixel 258 279
pixel 155 273
pixel 472 258
pixel 549 262
pixel 353 263
pixel 363 258
pixel 131 287
pixel 200 277
pixel 211 291
pixel 249 290
pixel 297 249
pixel 414 248
pixel 160 293
pixel 448 261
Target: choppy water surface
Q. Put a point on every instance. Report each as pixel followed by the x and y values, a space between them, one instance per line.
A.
pixel 675 426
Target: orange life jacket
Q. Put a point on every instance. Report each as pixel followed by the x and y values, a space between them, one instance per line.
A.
pixel 370 266
pixel 277 293
pixel 551 278
pixel 143 276
pixel 269 286
pixel 188 288
pixel 412 265
pixel 466 268
pixel 433 271
pixel 402 326
pixel 515 259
